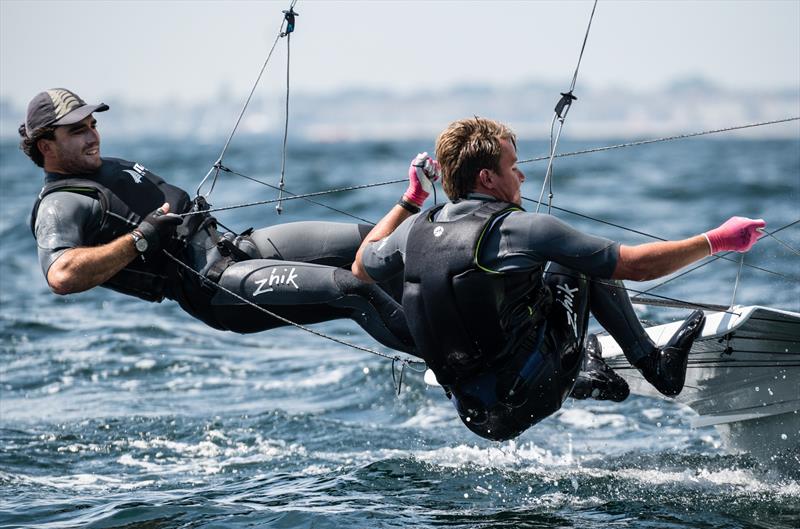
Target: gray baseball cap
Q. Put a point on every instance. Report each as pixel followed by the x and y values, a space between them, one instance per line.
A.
pixel 58 106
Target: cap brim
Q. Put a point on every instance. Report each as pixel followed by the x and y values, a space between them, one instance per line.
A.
pixel 79 114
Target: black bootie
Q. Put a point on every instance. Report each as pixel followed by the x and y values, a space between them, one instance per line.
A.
pixel 665 368
pixel 596 379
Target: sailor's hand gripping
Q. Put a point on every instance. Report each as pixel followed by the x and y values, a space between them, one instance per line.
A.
pixel 157 228
pixel 736 234
pixel 422 172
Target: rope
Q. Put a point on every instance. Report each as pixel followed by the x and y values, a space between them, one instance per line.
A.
pixel 717 363
pixel 289 17
pixel 267 184
pixel 736 283
pixel 661 300
pixel 294 197
pixel 560 114
pixel 537 159
pixel 663 139
pixel 724 256
pixel 793 250
pixel 563 106
pixel 716 257
pixel 395 358
pixel 215 168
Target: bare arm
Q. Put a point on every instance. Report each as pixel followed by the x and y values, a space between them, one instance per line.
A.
pixel 79 269
pixel 382 229
pixel 82 268
pixel 657 259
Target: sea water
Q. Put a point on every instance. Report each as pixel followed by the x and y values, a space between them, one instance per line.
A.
pixel 115 412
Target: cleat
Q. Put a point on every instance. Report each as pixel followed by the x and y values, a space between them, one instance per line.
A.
pixel 665 368
pixel 596 379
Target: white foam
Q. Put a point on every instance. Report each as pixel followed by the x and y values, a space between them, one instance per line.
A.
pixel 87 482
pixel 145 363
pixel 430 416
pixel 582 418
pixel 322 377
pixel 653 413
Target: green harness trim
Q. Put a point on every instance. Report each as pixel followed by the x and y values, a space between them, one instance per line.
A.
pixel 488 225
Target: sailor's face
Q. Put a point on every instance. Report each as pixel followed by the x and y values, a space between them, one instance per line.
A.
pixel 507 179
pixel 76 148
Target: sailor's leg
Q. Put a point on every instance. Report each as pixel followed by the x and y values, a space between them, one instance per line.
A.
pixel 613 309
pixel 569 315
pixel 328 243
pixel 664 368
pixel 306 293
pixel 595 379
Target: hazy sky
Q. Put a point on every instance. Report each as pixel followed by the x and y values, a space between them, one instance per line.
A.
pixel 153 50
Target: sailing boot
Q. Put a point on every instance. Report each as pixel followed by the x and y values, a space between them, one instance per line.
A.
pixel 596 379
pixel 665 368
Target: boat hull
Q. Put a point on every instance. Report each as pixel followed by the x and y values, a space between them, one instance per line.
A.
pixel 743 378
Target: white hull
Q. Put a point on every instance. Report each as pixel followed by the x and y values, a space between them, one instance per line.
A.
pixel 743 378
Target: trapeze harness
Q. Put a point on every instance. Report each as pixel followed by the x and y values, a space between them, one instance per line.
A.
pixel 127 193
pixel 488 336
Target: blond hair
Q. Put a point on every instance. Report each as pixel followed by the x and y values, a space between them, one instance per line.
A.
pixel 464 148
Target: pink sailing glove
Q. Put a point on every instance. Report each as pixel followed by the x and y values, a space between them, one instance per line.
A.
pixel 422 172
pixel 737 233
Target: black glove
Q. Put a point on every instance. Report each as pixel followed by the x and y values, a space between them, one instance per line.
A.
pixel 157 228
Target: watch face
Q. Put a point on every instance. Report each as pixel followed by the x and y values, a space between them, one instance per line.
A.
pixel 141 245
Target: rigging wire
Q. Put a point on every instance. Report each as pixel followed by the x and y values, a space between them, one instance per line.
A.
pixel 205 280
pixel 215 168
pixel 561 111
pixel 662 139
pixel 721 363
pixel 563 106
pixel 791 249
pixel 306 196
pixel 716 257
pixel 289 17
pixel 724 256
pixel 326 206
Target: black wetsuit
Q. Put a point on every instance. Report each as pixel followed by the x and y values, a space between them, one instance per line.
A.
pixel 292 270
pixel 521 371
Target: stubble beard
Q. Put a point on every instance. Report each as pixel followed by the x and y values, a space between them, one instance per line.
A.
pixel 79 163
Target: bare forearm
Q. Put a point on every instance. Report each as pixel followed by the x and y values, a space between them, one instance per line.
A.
pixel 657 259
pixel 80 269
pixel 382 229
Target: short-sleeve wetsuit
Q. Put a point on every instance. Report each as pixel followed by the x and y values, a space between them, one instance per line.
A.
pixel 574 267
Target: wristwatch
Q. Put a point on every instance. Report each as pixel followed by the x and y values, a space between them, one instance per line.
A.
pixel 139 241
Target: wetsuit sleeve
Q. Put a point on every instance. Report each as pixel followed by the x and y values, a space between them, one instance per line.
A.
pixel 65 220
pixel 384 259
pixel 539 237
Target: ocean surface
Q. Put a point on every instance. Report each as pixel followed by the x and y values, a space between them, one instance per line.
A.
pixel 119 413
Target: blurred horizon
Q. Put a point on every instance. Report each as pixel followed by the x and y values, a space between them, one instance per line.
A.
pixel 180 69
pixel 684 105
